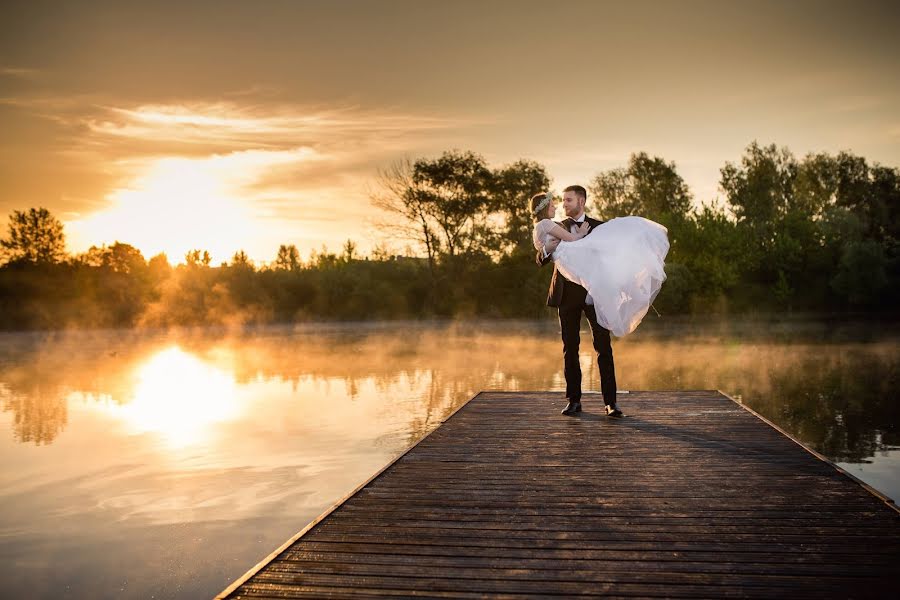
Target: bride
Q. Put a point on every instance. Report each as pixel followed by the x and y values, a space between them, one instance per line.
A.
pixel 620 264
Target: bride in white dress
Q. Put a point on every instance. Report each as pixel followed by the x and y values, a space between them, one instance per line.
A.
pixel 621 263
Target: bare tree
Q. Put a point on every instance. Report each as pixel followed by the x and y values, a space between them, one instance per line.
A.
pixel 406 211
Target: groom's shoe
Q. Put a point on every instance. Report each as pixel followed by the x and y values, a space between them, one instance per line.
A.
pixel 613 411
pixel 572 407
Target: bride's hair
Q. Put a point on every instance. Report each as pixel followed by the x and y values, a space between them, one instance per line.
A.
pixel 544 213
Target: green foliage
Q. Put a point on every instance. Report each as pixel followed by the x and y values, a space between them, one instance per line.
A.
pixel 822 230
pixel 453 190
pixel 714 252
pixel 647 187
pixel 512 186
pixel 819 233
pixel 760 189
pixel 862 273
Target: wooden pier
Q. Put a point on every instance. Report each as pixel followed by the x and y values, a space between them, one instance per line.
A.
pixel 691 495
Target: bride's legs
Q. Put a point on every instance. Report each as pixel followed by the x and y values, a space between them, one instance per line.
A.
pixel 603 347
pixel 570 324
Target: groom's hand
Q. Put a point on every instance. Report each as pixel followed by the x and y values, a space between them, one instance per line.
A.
pixel 543 256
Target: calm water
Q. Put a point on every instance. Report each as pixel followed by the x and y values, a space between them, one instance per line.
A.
pixel 165 465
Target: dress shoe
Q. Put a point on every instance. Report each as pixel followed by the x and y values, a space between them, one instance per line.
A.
pixel 613 411
pixel 572 407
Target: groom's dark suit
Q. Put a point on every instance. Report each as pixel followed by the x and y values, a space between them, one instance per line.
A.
pixel 569 298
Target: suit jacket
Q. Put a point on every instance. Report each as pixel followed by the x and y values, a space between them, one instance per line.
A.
pixel 564 293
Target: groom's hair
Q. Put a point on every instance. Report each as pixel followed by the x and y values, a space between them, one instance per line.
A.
pixel 578 190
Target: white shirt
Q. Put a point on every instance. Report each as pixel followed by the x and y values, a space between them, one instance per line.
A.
pixel 588 300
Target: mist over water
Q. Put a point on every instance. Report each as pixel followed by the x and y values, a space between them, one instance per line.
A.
pixel 165 464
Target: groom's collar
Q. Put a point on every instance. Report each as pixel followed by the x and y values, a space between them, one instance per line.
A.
pixel 583 218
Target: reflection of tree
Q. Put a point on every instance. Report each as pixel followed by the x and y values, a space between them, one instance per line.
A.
pixel 845 410
pixel 40 412
pixel 36 377
pixel 834 396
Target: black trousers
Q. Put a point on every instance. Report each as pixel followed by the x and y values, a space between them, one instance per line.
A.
pixel 570 324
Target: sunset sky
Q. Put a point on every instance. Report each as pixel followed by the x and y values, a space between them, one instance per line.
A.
pixel 227 125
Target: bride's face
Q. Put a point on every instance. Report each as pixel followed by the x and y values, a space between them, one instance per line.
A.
pixel 551 209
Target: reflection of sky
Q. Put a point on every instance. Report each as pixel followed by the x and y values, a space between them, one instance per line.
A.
pixel 176 462
pixel 882 473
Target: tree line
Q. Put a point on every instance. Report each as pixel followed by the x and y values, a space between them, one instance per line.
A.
pixel 817 233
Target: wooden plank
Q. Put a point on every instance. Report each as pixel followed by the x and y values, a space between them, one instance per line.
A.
pixel 691 495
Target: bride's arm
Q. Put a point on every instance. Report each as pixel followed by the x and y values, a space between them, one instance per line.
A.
pixel 560 233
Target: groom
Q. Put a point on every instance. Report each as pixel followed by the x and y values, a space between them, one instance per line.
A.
pixel 571 300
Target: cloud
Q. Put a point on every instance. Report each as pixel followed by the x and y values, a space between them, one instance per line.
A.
pixel 230 175
pixel 20 73
pixel 229 126
pixel 336 144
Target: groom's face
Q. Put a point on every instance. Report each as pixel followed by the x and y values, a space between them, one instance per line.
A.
pixel 573 204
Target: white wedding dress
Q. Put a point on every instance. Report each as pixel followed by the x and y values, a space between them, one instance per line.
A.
pixel 620 263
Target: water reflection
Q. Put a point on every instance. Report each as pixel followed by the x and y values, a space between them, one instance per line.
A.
pixel 173 462
pixel 40 414
pixel 836 396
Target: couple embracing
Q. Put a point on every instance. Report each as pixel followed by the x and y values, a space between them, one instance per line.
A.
pixel 609 271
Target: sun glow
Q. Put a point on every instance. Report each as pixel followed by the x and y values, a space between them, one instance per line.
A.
pixel 180 204
pixel 180 397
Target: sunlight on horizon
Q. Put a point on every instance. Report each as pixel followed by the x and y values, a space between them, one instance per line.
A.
pixel 179 204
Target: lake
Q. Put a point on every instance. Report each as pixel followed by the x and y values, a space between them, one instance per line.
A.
pixel 142 464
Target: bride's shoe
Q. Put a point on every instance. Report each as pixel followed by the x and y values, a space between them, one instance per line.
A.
pixel 613 411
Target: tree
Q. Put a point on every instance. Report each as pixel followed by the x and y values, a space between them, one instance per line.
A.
pixel 871 193
pixel 886 212
pixel 647 187
pixel 406 212
pixel 815 186
pixel 760 192
pixel 453 190
pixel 439 203
pixel 241 260
pixel 196 258
pixel 861 273
pixel 760 189
pixel 93 257
pixel 125 258
pixel 159 267
pixel 288 258
pixel 349 251
pixel 35 237
pixel 512 187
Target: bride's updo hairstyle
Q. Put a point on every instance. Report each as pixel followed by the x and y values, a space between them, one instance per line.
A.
pixel 544 211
